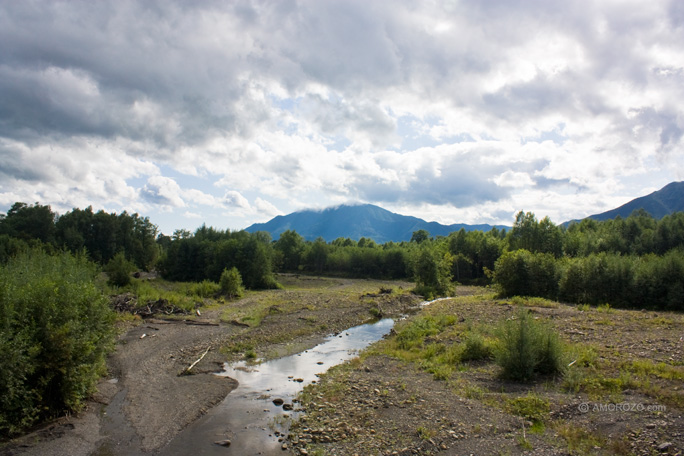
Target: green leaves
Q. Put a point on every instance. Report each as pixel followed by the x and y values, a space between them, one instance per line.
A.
pixel 55 331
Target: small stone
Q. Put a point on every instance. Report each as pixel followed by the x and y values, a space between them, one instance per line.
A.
pixel 224 443
pixel 287 407
pixel 278 402
pixel 664 447
pixel 284 447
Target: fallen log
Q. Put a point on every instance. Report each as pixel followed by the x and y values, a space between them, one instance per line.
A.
pixel 200 323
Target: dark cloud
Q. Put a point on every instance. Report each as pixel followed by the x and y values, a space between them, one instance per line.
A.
pixel 13 165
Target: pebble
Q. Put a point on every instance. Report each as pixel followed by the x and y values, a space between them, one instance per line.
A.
pixel 663 447
pixel 225 443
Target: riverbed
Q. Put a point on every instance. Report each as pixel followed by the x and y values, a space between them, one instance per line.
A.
pixel 254 418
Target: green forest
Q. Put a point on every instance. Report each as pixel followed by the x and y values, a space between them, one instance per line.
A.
pixel 634 262
pixel 56 324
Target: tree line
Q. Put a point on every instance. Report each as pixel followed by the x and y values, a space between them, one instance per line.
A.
pixel 102 235
pixel 630 262
pixel 636 262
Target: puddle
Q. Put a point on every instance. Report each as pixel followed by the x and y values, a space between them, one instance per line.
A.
pixel 248 417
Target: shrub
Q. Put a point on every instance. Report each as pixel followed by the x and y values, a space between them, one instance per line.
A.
pixel 475 348
pixel 119 270
pixel 231 283
pixel 528 347
pixel 204 289
pixel 55 331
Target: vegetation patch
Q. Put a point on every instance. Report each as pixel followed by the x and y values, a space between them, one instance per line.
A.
pixel 528 347
pixel 56 328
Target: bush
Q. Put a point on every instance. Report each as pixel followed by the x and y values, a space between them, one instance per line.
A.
pixel 204 289
pixel 528 347
pixel 475 348
pixel 119 270
pixel 522 273
pixel 231 283
pixel 55 331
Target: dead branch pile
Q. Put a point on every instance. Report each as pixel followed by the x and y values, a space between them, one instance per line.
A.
pixel 128 303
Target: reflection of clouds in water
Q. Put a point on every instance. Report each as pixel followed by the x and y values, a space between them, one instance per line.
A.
pixel 248 412
pixel 277 376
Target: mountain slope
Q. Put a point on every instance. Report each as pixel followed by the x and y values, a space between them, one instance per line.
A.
pixel 660 203
pixel 355 222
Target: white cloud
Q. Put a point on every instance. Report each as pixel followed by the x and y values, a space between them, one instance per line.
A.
pixel 162 191
pixel 266 208
pixel 464 111
pixel 234 199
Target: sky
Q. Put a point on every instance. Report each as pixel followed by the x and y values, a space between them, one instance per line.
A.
pixel 228 113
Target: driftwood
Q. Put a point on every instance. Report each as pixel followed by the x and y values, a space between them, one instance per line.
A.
pixel 200 323
pixel 187 370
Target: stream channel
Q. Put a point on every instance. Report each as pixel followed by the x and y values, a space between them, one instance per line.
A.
pixel 248 416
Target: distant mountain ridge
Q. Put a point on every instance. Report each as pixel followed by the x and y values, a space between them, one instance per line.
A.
pixel 381 225
pixel 357 221
pixel 666 201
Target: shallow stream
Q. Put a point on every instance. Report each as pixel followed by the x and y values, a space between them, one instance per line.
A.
pixel 248 416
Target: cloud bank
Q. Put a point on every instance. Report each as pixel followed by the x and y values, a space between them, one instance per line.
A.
pixel 233 112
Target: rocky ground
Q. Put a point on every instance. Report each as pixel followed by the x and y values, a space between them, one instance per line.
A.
pixel 380 405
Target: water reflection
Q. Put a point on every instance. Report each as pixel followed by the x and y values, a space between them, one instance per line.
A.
pixel 248 417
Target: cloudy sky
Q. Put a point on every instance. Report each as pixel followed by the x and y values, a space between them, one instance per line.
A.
pixel 231 112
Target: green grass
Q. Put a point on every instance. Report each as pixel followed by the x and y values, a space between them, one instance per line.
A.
pixel 532 301
pixel 532 407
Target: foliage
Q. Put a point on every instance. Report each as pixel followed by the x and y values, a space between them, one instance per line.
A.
pixel 432 271
pixel 204 255
pixel 119 270
pixel 231 283
pixel 528 347
pixel 205 289
pixel 291 247
pixel 474 253
pixel 476 348
pixel 55 330
pixel 632 262
pixel 420 236
pixel 536 237
pixel 101 234
pixel 28 222
pixel 522 273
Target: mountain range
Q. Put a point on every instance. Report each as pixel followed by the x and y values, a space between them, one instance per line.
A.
pixel 381 225
pixel 660 203
pixel 355 222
